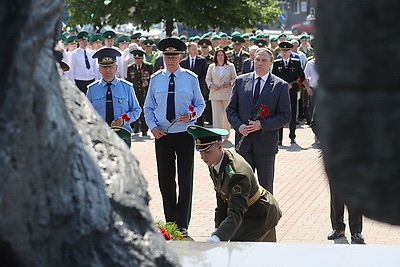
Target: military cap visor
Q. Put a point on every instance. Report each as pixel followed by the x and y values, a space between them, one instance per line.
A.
pixel 97 38
pixel 148 42
pixel 109 34
pixel 138 53
pixel 171 46
pixel 107 56
pixel 83 35
pixel 260 43
pixel 122 132
pixel 285 46
pixel 238 39
pixel 204 42
pixel 206 137
pixel 136 35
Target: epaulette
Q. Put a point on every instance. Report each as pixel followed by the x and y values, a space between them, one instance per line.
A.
pixel 229 170
pixel 93 83
pixel 294 59
pixel 156 73
pixel 279 59
pixel 309 58
pixel 126 82
pixel 245 52
pixel 190 72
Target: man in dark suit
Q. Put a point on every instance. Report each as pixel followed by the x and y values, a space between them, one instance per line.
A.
pixel 139 74
pixel 260 143
pixel 289 69
pixel 198 65
pixel 248 64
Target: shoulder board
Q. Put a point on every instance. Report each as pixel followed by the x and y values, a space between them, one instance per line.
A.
pixel 131 64
pixel 245 52
pixel 229 170
pixel 156 73
pixel 294 59
pixel 309 58
pixel 190 72
pixel 93 83
pixel 126 82
pixel 279 59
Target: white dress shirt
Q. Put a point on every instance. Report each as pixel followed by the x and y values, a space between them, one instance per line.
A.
pixel 262 82
pixel 78 69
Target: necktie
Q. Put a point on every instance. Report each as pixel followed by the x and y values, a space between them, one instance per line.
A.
pixel 86 60
pixel 192 64
pixel 257 90
pixel 171 99
pixel 109 105
pixel 286 63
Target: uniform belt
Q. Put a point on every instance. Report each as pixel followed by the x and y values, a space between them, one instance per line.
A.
pixel 255 197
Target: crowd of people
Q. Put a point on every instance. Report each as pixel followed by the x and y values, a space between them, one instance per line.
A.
pixel 179 87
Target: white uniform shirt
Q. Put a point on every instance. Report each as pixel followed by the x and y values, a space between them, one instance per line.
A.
pixel 311 73
pixel 78 69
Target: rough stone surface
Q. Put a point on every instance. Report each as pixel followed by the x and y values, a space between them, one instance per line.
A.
pixel 359 103
pixel 71 193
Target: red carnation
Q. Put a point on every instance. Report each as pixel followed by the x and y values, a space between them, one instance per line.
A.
pixel 193 113
pixel 141 70
pixel 191 108
pixel 161 67
pixel 264 111
pixel 166 235
pixel 300 82
pixel 125 117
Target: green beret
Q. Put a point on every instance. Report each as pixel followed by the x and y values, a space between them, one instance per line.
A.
pixel 206 35
pixel 252 38
pixel 304 36
pixel 273 39
pixel 282 35
pixel 215 37
pixel 260 35
pixel 223 34
pixel 245 35
pixel 196 38
pixel 63 38
pixel 206 137
pixel 182 37
pixel 190 39
pixel 266 35
pixel 235 34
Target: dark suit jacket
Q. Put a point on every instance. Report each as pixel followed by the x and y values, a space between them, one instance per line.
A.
pixel 275 95
pixel 200 68
pixel 247 66
pixel 291 72
pixel 138 77
pixel 159 63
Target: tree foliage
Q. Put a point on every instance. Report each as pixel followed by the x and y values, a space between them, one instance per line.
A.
pixel 197 14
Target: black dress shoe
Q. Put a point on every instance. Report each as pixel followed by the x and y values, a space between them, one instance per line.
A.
pixel 357 238
pixel 335 234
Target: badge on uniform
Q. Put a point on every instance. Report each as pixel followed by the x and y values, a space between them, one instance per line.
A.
pixel 236 189
pixel 120 100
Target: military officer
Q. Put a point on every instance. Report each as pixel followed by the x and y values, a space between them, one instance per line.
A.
pixel 245 210
pixel 97 41
pixel 205 45
pixel 139 74
pixel 289 69
pixel 111 96
pixel 237 55
pixel 172 90
pixel 135 37
pixel 109 40
pixel 150 54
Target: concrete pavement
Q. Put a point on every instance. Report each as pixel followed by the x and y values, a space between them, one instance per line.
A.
pixel 301 188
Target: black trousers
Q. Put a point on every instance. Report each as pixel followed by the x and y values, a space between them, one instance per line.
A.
pixel 171 149
pixel 82 85
pixel 265 166
pixel 293 107
pixel 337 212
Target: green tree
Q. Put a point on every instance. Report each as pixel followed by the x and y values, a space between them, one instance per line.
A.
pixel 198 14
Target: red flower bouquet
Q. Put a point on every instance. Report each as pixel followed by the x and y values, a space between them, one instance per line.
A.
pixel 261 113
pixel 125 117
pixel 170 231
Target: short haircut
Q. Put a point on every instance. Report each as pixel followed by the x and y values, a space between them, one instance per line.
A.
pixel 253 48
pixel 192 44
pixel 263 49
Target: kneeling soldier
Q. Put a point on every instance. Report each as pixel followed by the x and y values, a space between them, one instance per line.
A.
pixel 245 211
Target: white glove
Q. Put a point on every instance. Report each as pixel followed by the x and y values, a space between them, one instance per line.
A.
pixel 214 238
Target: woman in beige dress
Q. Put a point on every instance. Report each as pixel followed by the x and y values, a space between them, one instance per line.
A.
pixel 220 77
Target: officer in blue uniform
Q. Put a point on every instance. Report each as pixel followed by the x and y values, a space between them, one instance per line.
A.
pixel 166 110
pixel 111 96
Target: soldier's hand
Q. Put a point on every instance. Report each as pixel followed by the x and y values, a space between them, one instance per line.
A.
pixel 117 122
pixel 290 86
pixel 158 132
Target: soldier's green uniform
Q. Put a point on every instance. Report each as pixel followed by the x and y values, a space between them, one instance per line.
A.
pixel 245 211
pixel 138 75
pixel 237 59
